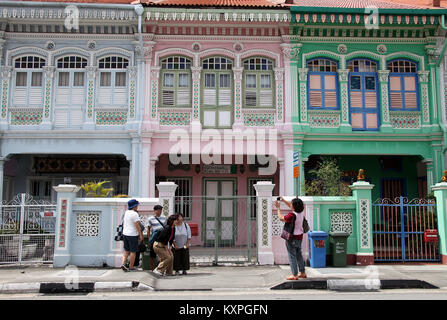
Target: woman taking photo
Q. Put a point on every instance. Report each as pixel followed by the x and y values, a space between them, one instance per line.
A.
pixel 161 247
pixel 293 245
pixel 180 247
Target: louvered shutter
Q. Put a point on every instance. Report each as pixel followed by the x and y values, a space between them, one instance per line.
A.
pixel 168 97
pixel 120 96
pixel 370 100
pixel 77 96
pixel 36 96
pixel 315 97
pixel 250 98
pixel 410 97
pixel 183 97
pixel 224 97
pixel 266 98
pixel 105 96
pixel 395 92
pixel 20 96
pixel 76 118
pixel 62 96
pixel 61 118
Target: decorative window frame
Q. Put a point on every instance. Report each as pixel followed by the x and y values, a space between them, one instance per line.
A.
pixel 403 91
pixel 176 72
pixel 323 90
pixel 258 88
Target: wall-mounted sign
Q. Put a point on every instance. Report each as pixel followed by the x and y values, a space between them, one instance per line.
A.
pixel 296 164
pixel 220 168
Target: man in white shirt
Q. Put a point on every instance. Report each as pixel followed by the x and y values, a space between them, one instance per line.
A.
pixel 132 234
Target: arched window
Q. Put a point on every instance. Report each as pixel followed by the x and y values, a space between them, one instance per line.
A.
pixel 176 82
pixel 322 84
pixel 28 89
pixel 217 92
pixel 70 91
pixel 403 85
pixel 363 97
pixel 113 81
pixel 258 82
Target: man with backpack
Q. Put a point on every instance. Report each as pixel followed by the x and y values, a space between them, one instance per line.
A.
pixel 155 223
pixel 132 234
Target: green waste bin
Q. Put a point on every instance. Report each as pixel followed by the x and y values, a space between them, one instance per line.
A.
pixel 338 242
pixel 146 256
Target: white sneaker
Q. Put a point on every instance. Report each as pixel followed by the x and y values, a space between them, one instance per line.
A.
pixel 158 273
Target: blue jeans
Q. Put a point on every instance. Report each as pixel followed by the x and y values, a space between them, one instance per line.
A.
pixel 295 257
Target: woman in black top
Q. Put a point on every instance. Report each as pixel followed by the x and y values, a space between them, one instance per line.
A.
pixel 161 247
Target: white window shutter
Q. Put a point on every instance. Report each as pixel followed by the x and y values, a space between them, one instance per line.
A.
pixel 183 97
pixel 120 96
pixel 62 96
pixel 36 96
pixel 104 96
pixel 209 97
pixel 60 118
pixel 225 97
pixel 168 97
pixel 20 96
pixel 77 96
pixel 76 118
pixel 266 98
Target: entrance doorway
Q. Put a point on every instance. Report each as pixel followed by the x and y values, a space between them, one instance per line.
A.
pixel 220 212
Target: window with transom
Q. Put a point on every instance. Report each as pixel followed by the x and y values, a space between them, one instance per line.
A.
pixel 322 84
pixel 113 81
pixel 70 91
pixel 258 83
pixel 176 82
pixel 363 97
pixel 217 92
pixel 28 84
pixel 403 85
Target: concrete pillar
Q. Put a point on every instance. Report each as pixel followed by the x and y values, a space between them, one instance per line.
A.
pixel 363 228
pixel 65 196
pixel 2 167
pixel 166 193
pixel 264 191
pixel 440 191
pixel 288 164
pixel 152 162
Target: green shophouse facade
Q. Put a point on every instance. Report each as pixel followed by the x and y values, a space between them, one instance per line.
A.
pixel 364 89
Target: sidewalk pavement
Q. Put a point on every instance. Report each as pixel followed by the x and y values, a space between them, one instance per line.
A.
pixel 46 279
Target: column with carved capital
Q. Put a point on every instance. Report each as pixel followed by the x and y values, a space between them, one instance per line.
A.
pixel 49 73
pixel 384 102
pixel 424 100
pixel 343 75
pixel 238 116
pixel 6 79
pixel 291 57
pixel 196 73
pixel 91 89
pixel 146 82
pixel 302 72
pixel 155 75
pixel 279 81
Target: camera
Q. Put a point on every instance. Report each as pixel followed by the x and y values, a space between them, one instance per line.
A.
pixel 279 198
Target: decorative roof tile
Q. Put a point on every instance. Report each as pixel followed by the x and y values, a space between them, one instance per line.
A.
pixel 214 3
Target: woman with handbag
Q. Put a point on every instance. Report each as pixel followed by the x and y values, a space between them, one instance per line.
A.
pixel 180 246
pixel 293 234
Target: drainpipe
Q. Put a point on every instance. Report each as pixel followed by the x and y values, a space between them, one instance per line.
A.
pixel 141 65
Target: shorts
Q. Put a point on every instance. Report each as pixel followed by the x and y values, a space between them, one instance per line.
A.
pixel 131 243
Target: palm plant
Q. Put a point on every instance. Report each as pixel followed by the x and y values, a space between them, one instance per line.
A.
pixel 96 189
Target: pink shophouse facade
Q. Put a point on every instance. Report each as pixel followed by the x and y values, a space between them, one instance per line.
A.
pixel 217 95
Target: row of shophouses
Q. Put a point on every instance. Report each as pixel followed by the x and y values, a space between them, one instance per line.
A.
pixel 106 91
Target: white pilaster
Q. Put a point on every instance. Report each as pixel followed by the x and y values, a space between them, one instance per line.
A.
pixel 264 191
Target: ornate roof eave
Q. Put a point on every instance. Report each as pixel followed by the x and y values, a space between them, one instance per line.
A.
pixel 217 15
pixel 56 13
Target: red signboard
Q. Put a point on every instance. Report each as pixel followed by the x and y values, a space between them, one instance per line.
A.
pixel 48 214
pixel 194 229
pixel 431 235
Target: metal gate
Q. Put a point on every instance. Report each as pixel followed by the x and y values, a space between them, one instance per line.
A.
pixel 27 230
pixel 399 228
pixel 227 228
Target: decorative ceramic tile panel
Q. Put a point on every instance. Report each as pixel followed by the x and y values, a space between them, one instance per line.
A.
pixel 87 224
pixel 324 120
pixel 341 221
pixel 132 99
pixel 63 223
pixel 47 97
pixel 265 238
pixel 259 119
pixel 166 207
pixel 111 118
pixel 364 224
pixel 425 105
pixel 4 97
pixel 175 118
pixel 26 118
pixel 90 97
pixel 406 120
pixel 277 226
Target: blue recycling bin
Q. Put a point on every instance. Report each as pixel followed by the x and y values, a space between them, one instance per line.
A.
pixel 318 240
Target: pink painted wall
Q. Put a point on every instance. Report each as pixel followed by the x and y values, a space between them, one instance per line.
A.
pixel 197 185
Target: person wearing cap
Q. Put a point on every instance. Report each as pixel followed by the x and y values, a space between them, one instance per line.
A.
pixel 155 222
pixel 132 234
